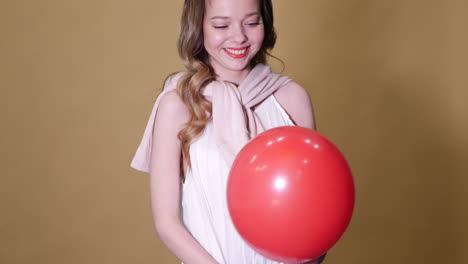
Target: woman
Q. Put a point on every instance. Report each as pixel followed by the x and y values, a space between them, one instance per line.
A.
pixel 203 118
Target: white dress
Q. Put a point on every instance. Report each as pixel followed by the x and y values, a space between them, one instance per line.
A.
pixel 204 201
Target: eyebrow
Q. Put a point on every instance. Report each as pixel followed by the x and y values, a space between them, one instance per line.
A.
pixel 225 17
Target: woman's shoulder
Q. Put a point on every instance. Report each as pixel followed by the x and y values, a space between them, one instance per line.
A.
pixel 292 92
pixel 172 113
pixel 296 102
pixel 171 103
pixel 172 80
pixel 170 99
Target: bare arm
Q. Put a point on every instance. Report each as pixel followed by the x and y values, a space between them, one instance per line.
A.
pixel 165 182
pixel 295 100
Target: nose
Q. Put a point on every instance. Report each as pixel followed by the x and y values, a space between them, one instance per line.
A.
pixel 238 35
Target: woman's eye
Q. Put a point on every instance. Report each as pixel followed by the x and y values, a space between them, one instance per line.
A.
pixel 253 24
pixel 220 26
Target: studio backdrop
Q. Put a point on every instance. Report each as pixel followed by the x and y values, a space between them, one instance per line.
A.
pixel 388 81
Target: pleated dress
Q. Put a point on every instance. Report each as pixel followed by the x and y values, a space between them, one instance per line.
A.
pixel 204 201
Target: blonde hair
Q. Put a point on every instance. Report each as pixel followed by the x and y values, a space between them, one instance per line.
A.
pixel 199 72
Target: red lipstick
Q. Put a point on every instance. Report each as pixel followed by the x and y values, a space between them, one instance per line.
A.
pixel 237 55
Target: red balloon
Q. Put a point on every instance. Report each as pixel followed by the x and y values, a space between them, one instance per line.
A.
pixel 290 194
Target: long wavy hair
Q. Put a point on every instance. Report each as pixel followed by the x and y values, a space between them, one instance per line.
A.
pixel 199 72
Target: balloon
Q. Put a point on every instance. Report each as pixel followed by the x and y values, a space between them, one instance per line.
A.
pixel 290 194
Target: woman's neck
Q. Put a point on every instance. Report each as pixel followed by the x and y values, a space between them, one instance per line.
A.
pixel 235 77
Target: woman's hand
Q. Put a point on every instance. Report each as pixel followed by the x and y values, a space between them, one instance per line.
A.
pixel 316 261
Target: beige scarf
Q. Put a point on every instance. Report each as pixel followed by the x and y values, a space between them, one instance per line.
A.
pixel 233 129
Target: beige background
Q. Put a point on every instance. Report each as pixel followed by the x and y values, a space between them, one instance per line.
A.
pixel 389 84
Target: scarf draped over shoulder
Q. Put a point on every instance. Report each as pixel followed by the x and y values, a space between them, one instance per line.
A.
pixel 234 121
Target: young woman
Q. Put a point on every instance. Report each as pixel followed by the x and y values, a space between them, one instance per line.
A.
pixel 202 119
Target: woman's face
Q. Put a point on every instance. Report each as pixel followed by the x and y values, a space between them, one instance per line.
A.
pixel 233 34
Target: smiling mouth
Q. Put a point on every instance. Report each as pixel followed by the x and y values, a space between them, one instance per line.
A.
pixel 237 53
